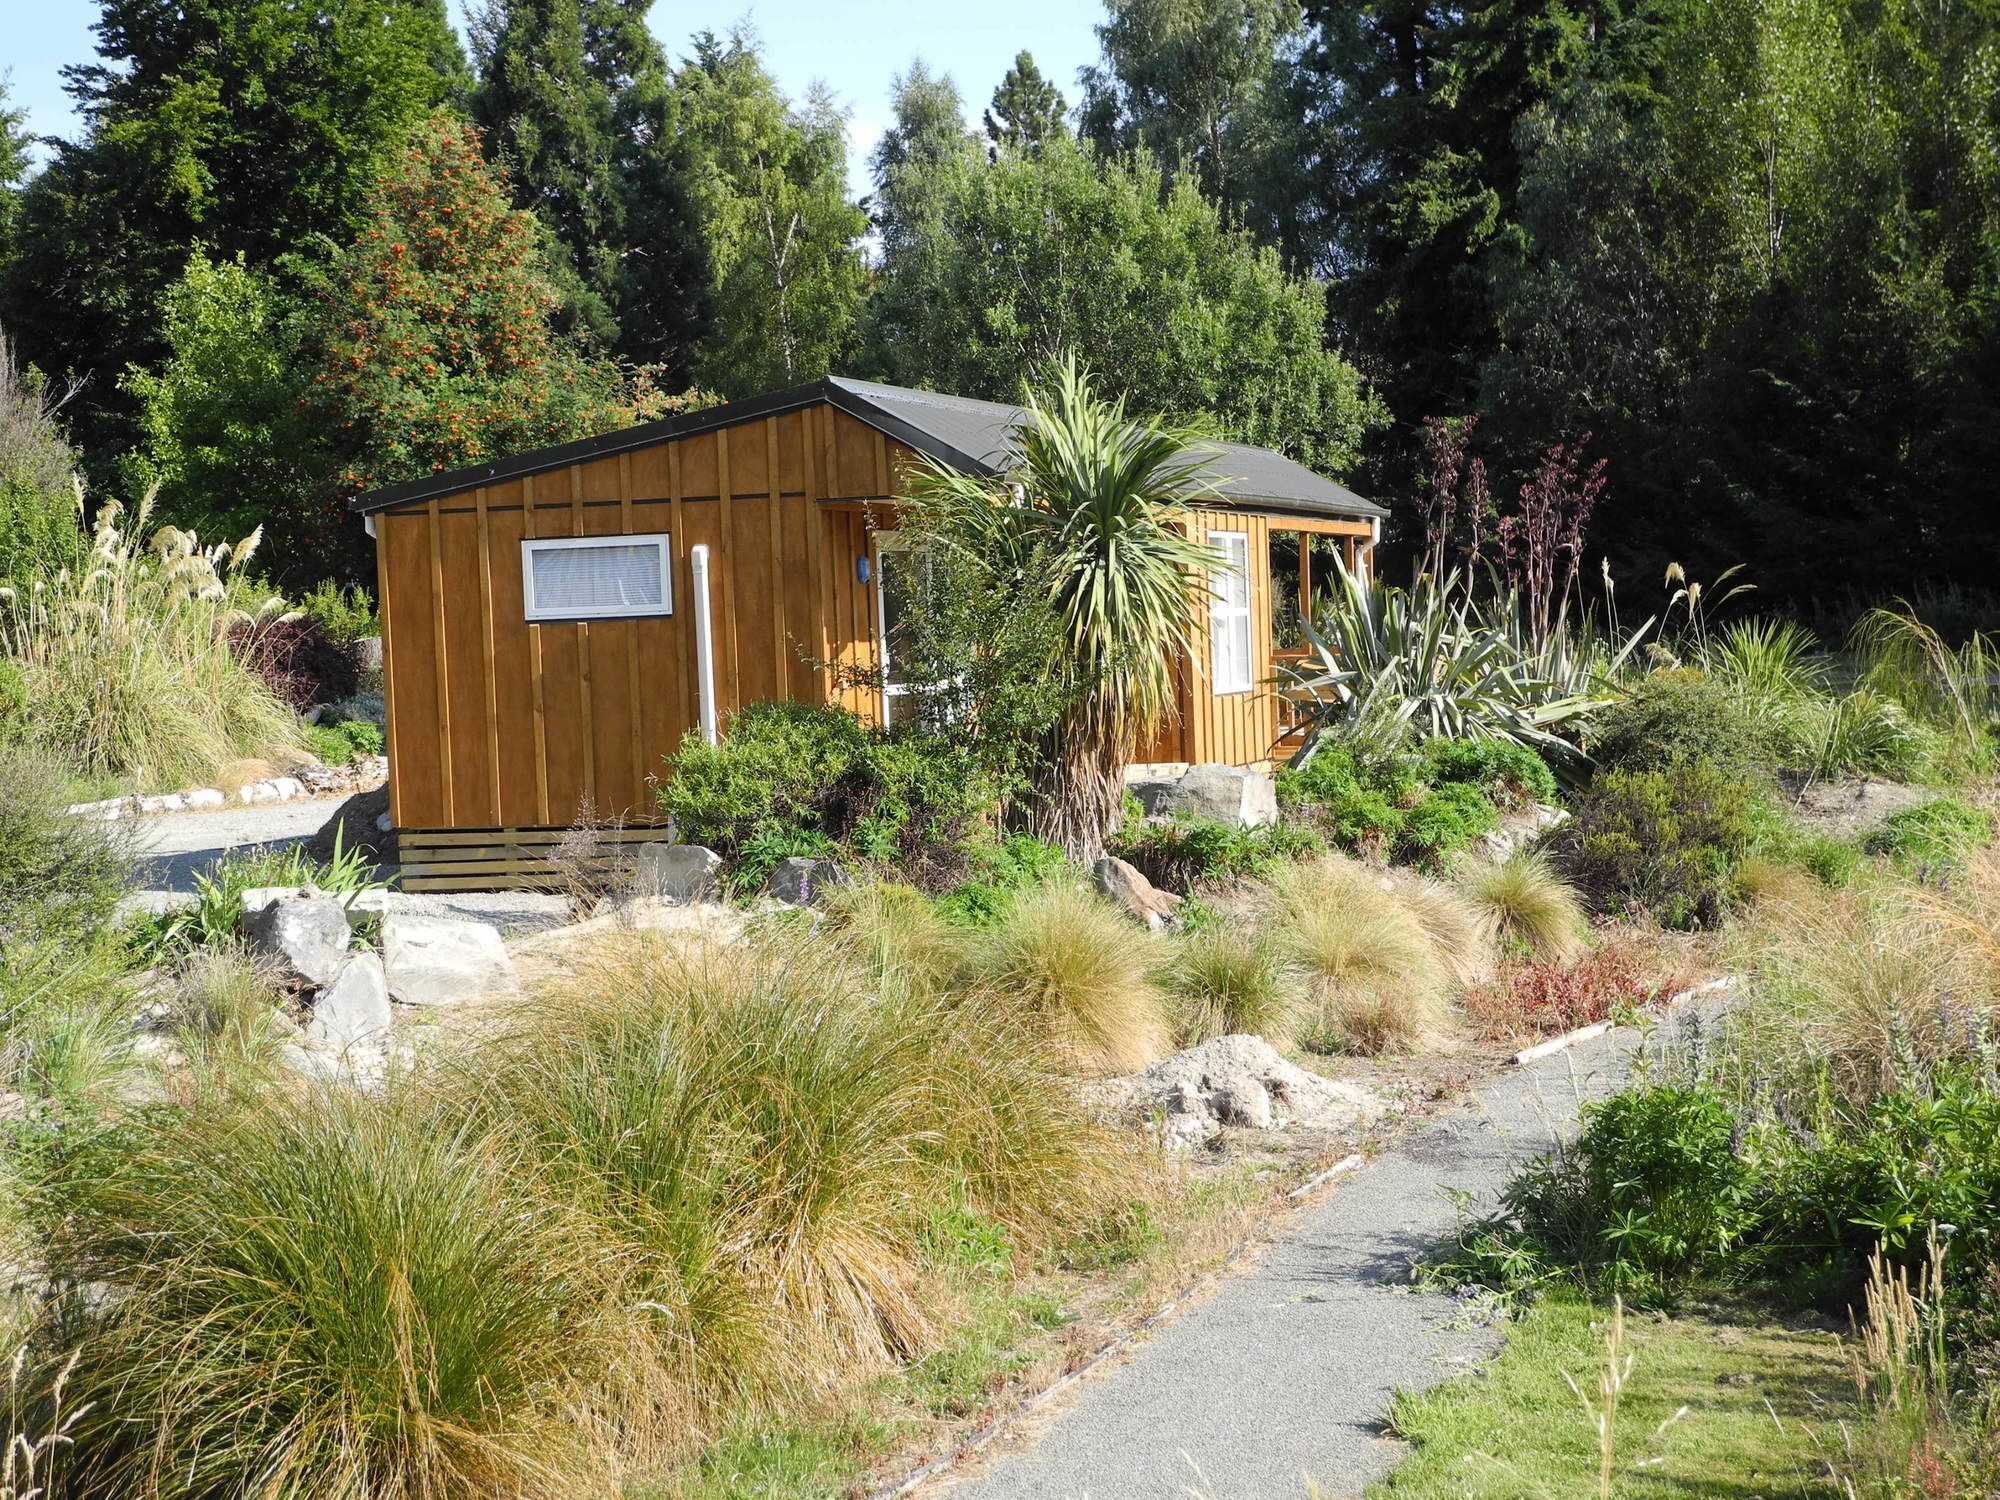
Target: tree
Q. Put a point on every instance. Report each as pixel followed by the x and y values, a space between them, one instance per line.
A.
pixel 1089 522
pixel 430 339
pixel 1193 81
pixel 1026 257
pixel 929 127
pixel 221 435
pixel 576 101
pixel 1027 109
pixel 39 528
pixel 769 182
pixel 251 127
pixel 16 162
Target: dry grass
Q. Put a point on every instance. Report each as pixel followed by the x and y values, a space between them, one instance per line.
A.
pixel 1530 908
pixel 1374 976
pixel 1225 982
pixel 1081 971
pixel 1461 929
pixel 897 932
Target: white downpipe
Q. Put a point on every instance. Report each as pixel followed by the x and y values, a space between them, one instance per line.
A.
pixel 704 643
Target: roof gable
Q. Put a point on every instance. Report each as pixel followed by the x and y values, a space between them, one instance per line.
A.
pixel 974 436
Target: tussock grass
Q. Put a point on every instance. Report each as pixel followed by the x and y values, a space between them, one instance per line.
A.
pixel 127 661
pixel 324 1295
pixel 1529 907
pixel 1460 929
pixel 1082 971
pixel 763 1141
pixel 1225 982
pixel 1375 979
pixel 898 932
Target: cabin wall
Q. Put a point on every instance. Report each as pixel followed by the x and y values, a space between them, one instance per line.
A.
pixel 497 722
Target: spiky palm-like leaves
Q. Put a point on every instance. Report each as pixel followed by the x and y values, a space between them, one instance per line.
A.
pixel 1090 518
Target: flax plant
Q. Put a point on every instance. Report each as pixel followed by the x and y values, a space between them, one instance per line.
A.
pixel 127 656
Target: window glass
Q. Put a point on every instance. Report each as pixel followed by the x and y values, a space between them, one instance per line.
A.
pixel 586 578
pixel 1229 613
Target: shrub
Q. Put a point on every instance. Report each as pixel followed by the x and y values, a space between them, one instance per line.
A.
pixel 1681 715
pixel 60 876
pixel 127 659
pixel 1445 823
pixel 344 614
pixel 321 1293
pixel 1177 853
pixel 1532 909
pixel 303 663
pixel 1000 871
pixel 800 779
pixel 1547 997
pixel 337 744
pixel 1361 811
pixel 1509 773
pixel 1223 982
pixel 1932 836
pixel 1373 976
pixel 1659 843
pixel 1407 806
pixel 1081 970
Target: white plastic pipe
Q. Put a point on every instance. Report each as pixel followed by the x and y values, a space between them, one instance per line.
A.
pixel 704 643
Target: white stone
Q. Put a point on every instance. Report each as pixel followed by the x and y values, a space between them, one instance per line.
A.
pixel 204 796
pixel 437 961
pixel 1228 794
pixel 285 788
pixel 675 872
pixel 352 1013
pixel 1241 1081
pixel 309 934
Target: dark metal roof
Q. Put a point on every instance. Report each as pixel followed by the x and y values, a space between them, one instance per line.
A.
pixel 975 436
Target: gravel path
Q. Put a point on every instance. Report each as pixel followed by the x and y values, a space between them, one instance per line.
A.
pixel 175 847
pixel 1286 1372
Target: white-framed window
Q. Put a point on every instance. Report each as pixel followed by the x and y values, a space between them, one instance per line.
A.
pixel 1229 666
pixel 596 577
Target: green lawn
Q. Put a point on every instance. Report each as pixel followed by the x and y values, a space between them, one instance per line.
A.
pixel 1760 1399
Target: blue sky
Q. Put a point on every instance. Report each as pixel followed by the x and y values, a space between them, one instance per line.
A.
pixel 853 46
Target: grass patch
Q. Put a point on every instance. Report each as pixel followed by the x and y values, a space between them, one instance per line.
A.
pixel 1516 1429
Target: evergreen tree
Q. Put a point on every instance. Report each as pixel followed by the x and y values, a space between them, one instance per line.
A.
pixel 769 182
pixel 1027 256
pixel 930 126
pixel 576 101
pixel 252 127
pixel 1194 81
pixel 1027 108
pixel 16 161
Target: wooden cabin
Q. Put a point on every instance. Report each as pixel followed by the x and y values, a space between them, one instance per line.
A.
pixel 556 622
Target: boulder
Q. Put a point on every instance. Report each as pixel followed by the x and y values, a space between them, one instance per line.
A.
pixel 1228 794
pixel 675 872
pixel 304 931
pixel 352 1013
pixel 1141 899
pixel 438 961
pixel 1520 830
pixel 1241 1081
pixel 799 882
pixel 356 821
pixel 368 653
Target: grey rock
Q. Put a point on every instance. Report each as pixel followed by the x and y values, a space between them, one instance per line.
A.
pixel 799 882
pixel 1228 794
pixel 352 1012
pixel 310 1062
pixel 675 872
pixel 368 653
pixel 1241 1081
pixel 307 934
pixel 1140 898
pixel 1520 830
pixel 437 961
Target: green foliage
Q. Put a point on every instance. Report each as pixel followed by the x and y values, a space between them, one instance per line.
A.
pixel 215 919
pixel 1661 843
pixel 800 779
pixel 1682 715
pixel 39 504
pixel 346 614
pixel 1420 808
pixel 785 298
pixel 1027 108
pixel 1933 836
pixel 1511 774
pixel 1023 258
pixel 1000 871
pixel 337 744
pixel 1177 853
pixel 60 877
pixel 1222 982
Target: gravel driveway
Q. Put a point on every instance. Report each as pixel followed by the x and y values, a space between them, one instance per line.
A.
pixel 1284 1375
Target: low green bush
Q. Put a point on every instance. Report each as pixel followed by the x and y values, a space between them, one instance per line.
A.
pixel 338 743
pixel 1932 836
pixel 215 918
pixel 1508 772
pixel 1420 808
pixel 1681 715
pixel 346 614
pixel 1175 853
pixel 1000 869
pixel 60 876
pixel 1660 843
pixel 800 779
